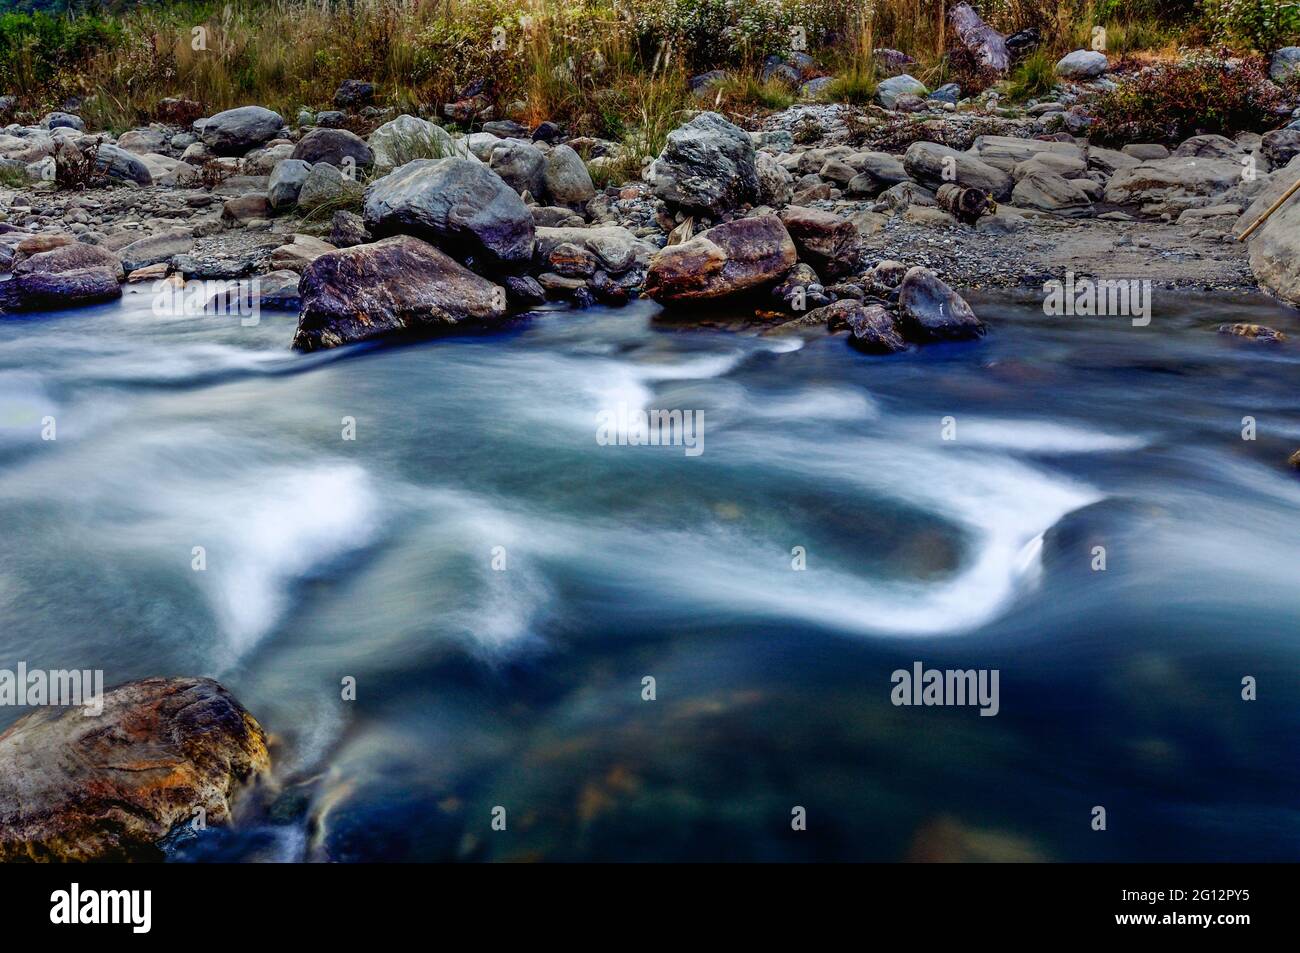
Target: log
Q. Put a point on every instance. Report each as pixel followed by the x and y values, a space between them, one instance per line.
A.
pixel 987 45
pixel 966 205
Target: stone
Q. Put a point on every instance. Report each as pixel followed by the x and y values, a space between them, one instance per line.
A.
pixel 706 167
pixel 245 208
pixel 1253 332
pixel 1082 65
pixel 1049 192
pixel 156 248
pixel 1146 150
pixel 1280 146
pixel 1274 253
pixel 932 164
pixel 1285 64
pixel 62 120
pixel 338 147
pixel 348 229
pixel 931 311
pixel 775 184
pixel 566 177
pixel 143 140
pixel 326 185
pixel 829 243
pixel 69 257
pixel 354 94
pixel 122 165
pixel 300 252
pixel 520 164
pixel 890 89
pixel 111 787
pixel 947 93
pixel 459 203
pixel 1210 147
pixel 407 138
pixel 235 131
pixel 1179 180
pixel 286 183
pixel 394 285
pixel 744 255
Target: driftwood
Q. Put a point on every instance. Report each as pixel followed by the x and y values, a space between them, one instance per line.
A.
pixel 987 45
pixel 966 205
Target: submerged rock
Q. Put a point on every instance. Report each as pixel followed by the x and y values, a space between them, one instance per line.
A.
pixel 728 259
pixel 110 787
pixel 397 284
pixel 872 328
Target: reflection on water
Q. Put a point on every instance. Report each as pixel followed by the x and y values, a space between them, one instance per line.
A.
pixel 499 584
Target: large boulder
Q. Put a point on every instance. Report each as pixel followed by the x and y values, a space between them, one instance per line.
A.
pixel 933 164
pixel 614 248
pixel 153 249
pixel 52 291
pixel 119 164
pixel 407 138
pixel 745 255
pixel 889 90
pixel 1081 65
pixel 775 183
pixel 520 164
pixel 1007 152
pixel 141 141
pixel 460 204
pixel 110 787
pixel 286 183
pixel 397 284
pixel 1173 183
pixel 707 167
pixel 235 131
pixel 338 147
pixel 1280 146
pixel 1275 253
pixel 326 185
pixel 931 311
pixel 832 245
pixel 1049 192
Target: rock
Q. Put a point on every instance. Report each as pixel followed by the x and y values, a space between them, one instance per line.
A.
pixel 1209 147
pixel 706 167
pixel 1066 167
pixel 1107 161
pixel 1050 192
pixel 739 256
pixel 1285 64
pixel 890 89
pixel 354 94
pixel 1280 146
pixel 338 147
pixel 1274 251
pixel 615 248
pixel 1274 186
pixel 459 203
pixel 397 284
pixel 872 328
pixel 891 62
pixel 8 107
pixel 263 161
pixel 817 86
pixel 933 164
pixel 1007 152
pixel 348 229
pixel 566 177
pixel 286 183
pixel 929 216
pixel 120 164
pixel 69 257
pixel 143 140
pixel 705 85
pixel 776 70
pixel 827 242
pixel 877 171
pixel 245 208
pixel 931 311
pixel 1253 332
pixel 156 248
pixel 1180 180
pixel 947 93
pixel 1143 151
pixel 109 788
pixel 300 252
pixel 406 138
pixel 325 185
pixel 524 292
pixel 506 129
pixel 62 120
pixel 41 291
pixel 1082 65
pixel 775 184
pixel 235 131
pixel 1023 42
pixel 520 164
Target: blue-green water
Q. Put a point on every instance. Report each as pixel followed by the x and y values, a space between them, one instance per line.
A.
pixel 521 687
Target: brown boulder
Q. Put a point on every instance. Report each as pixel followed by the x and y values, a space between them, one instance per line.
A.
pixel 827 242
pixel 728 259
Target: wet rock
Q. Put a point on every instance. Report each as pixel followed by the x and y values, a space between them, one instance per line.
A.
pixel 235 131
pixel 524 291
pixel 459 203
pixel 872 328
pixel 827 242
pixel 744 255
pixel 109 788
pixel 1253 332
pixel 1081 65
pixel 397 284
pixel 338 147
pixel 707 166
pixel 931 311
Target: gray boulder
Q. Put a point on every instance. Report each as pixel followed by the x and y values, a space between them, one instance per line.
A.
pixel 120 164
pixel 459 203
pixel 1284 64
pixel 931 311
pixel 520 164
pixel 326 185
pixel 1280 146
pixel 1274 252
pixel 407 138
pixel 235 131
pixel 1050 192
pixel 889 90
pixel 829 243
pixel 1174 183
pixel 567 180
pixel 287 179
pixel 1082 65
pixel 338 147
pixel 156 248
pixel 932 165
pixel 398 284
pixel 707 167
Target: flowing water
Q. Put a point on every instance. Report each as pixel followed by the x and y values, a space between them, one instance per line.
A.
pixel 499 583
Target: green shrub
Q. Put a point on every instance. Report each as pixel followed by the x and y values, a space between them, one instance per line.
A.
pixel 1264 24
pixel 36 47
pixel 1033 76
